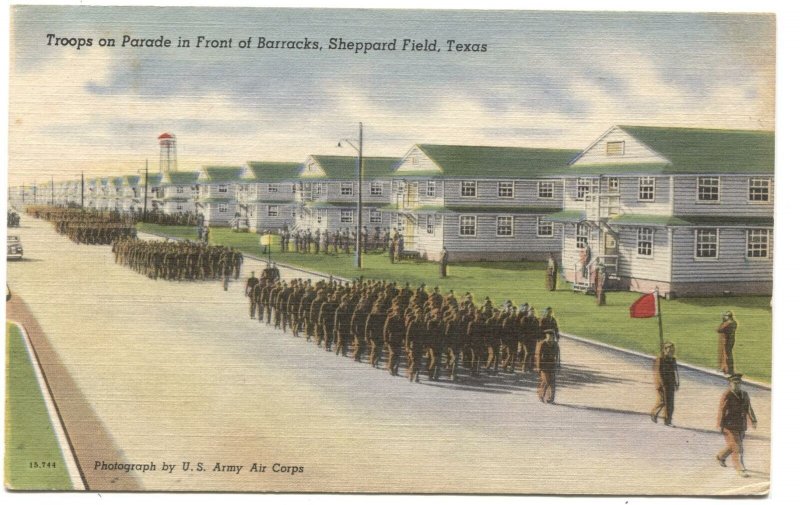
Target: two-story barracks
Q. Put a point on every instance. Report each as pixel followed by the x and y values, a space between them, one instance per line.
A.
pixel 689 211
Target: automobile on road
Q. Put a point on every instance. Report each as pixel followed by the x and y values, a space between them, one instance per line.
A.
pixel 13 248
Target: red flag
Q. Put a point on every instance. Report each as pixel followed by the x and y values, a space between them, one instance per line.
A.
pixel 645 306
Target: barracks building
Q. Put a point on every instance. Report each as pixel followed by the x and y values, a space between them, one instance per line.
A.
pixel 689 211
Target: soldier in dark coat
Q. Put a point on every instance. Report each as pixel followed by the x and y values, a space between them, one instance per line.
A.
pixel 528 336
pixel 416 338
pixel 252 282
pixel 727 337
pixel 393 335
pixel 548 360
pixel 551 275
pixel 358 328
pixel 374 333
pixel 665 370
pixel 444 256
pixel 734 411
pixel 549 322
pixel 327 318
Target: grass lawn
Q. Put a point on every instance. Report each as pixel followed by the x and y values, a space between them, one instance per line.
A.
pixel 689 322
pixel 33 457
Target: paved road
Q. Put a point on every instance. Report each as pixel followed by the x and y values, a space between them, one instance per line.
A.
pixel 177 372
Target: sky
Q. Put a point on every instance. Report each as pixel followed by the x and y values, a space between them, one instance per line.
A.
pixel 547 79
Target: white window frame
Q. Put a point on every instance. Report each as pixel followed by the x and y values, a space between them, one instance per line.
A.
pixel 503 186
pixel 272 188
pixel 583 182
pixel 510 227
pixel 178 207
pixel 222 188
pixel 542 223
pixel 697 232
pixel 373 219
pixel 718 187
pixel 582 239
pixel 430 224
pixel 430 189
pixel 466 186
pixel 346 189
pixel 645 237
pixel 613 188
pixel 542 190
pixel 617 144
pixel 222 208
pixel 272 211
pixel 179 189
pixel 647 184
pixel 376 188
pixel 474 225
pixel 346 216
pixel 750 243
pixel 751 187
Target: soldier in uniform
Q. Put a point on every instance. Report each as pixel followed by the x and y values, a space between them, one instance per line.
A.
pixel 475 331
pixel 548 360
pixel 252 282
pixel 665 370
pixel 415 340
pixel 727 337
pixel 551 276
pixel 393 335
pixel 434 343
pixel 376 320
pixel 734 411
pixel 327 320
pixel 443 257
pixel 548 322
pixel 528 336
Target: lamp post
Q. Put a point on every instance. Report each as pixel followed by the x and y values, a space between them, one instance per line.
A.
pixel 359 177
pixel 146 173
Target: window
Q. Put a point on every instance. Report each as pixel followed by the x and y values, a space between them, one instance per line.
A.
pixel 613 185
pixel 758 243
pixel 179 189
pixel 317 189
pixel 616 148
pixel 706 244
pixel 546 189
pixel 430 221
pixel 347 216
pixel 582 236
pixel 223 188
pixel 179 208
pixel 466 226
pixel 430 189
pixel 647 189
pixel 319 217
pixel 272 188
pixel 505 226
pixel 544 228
pixel 469 188
pixel 375 216
pixel 272 210
pixel 708 189
pixel 376 188
pixel 414 161
pixel 644 241
pixel 505 189
pixel 223 207
pixel 759 189
pixel 582 188
pixel 347 189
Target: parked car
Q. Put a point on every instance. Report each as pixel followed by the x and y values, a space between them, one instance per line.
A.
pixel 13 248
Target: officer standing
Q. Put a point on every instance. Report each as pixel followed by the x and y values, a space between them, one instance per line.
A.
pixel 734 410
pixel 667 382
pixel 443 257
pixel 727 337
pixel 551 276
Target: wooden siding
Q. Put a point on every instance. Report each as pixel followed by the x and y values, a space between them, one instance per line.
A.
pixel 333 192
pixel 635 151
pixel 733 198
pixel 631 264
pixel 571 254
pixel 629 196
pixel 486 239
pixel 526 192
pixel 732 263
pixel 424 164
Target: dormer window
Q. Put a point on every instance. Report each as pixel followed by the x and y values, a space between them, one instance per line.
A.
pixel 616 148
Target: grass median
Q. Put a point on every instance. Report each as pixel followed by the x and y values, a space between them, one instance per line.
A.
pixel 33 456
pixel 688 322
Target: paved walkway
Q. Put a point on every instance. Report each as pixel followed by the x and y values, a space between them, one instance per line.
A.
pixel 177 372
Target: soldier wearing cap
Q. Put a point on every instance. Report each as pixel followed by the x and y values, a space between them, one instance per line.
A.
pixel 548 360
pixel 252 282
pixel 665 369
pixel 549 322
pixel 727 337
pixel 734 411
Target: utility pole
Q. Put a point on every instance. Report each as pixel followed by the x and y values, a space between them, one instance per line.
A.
pixel 52 190
pixel 144 212
pixel 359 244
pixel 82 188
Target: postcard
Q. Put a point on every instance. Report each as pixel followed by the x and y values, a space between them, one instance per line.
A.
pixel 390 251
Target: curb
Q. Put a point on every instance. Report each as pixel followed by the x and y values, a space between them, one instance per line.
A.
pixel 694 368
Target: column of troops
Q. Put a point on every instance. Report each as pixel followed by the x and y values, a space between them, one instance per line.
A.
pixel 178 260
pixel 435 332
pixel 306 241
pixel 86 226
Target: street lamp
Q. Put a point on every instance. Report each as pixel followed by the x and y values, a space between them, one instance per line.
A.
pixel 359 177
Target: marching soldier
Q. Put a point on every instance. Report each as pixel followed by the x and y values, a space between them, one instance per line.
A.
pixel 376 320
pixel 393 335
pixel 734 411
pixel 252 282
pixel 665 369
pixel 548 360
pixel 548 322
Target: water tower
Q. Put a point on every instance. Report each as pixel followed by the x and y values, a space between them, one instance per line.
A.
pixel 168 160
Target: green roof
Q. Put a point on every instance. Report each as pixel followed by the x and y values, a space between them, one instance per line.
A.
pixel 698 150
pixel 568 216
pixel 227 173
pixel 496 162
pixel 180 177
pixel 272 171
pixel 217 200
pixel 521 209
pixel 130 180
pixel 344 167
pixel 665 220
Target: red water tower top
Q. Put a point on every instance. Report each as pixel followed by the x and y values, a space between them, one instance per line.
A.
pixel 165 136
